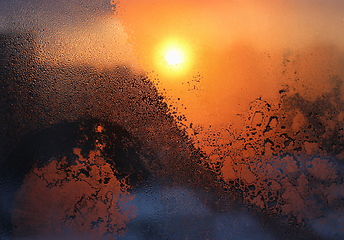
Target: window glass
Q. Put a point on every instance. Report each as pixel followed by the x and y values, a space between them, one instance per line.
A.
pixel 171 119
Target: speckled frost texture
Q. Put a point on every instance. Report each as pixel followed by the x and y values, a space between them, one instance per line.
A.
pixel 82 142
pixel 288 159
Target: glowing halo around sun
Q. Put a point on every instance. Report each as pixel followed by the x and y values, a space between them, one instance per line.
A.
pixel 173 59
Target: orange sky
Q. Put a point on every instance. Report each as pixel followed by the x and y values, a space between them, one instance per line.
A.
pixel 235 52
pixel 238 48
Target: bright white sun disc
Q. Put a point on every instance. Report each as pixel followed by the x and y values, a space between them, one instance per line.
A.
pixel 173 57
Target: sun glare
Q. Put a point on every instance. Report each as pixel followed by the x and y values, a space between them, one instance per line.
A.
pixel 174 57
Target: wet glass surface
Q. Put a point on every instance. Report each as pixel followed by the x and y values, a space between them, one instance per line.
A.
pixel 171 119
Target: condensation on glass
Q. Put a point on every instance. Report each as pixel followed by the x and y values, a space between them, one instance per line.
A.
pixel 102 138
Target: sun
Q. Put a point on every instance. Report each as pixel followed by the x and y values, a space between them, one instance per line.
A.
pixel 174 57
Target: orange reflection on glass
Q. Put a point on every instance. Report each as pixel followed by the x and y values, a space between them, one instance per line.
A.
pixel 82 199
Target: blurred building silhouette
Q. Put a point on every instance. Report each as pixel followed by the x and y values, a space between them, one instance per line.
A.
pixel 17 90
